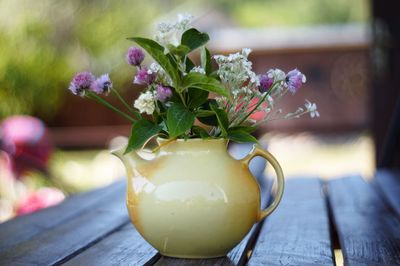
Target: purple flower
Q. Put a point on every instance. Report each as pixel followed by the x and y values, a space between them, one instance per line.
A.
pixel 101 85
pixel 163 93
pixel 294 80
pixel 266 82
pixel 135 56
pixel 81 82
pixel 144 76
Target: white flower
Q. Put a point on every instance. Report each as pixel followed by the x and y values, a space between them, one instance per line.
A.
pixel 235 68
pixel 170 33
pixel 277 74
pixel 184 21
pixel 246 52
pixel 145 103
pixel 198 69
pixel 311 108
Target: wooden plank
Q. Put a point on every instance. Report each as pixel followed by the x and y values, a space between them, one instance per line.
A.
pixel 238 256
pixel 123 247
pixel 388 182
pixel 72 235
pixel 25 227
pixel 298 232
pixel 369 233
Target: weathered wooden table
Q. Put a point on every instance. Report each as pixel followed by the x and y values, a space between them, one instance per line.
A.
pixel 360 218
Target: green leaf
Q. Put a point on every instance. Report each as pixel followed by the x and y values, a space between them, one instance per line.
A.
pixel 179 120
pixel 240 135
pixel 248 129
pixel 156 51
pixel 199 131
pixel 180 50
pixel 203 82
pixel 205 115
pixel 205 59
pixel 193 39
pixel 222 118
pixel 196 97
pixel 142 130
pixel 172 60
pixel 188 64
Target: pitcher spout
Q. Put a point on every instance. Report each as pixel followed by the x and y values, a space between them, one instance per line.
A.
pixel 131 160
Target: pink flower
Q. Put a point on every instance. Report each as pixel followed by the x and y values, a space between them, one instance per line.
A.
pixel 26 140
pixel 135 56
pixel 294 80
pixel 81 82
pixel 144 76
pixel 257 115
pixel 266 82
pixel 101 85
pixel 42 198
pixel 163 93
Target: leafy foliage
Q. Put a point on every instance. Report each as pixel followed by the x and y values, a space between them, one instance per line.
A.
pixel 178 93
pixel 179 120
pixel 142 130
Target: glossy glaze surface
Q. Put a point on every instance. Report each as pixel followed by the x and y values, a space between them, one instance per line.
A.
pixel 192 200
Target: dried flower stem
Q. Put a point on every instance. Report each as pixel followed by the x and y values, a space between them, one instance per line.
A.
pixel 98 99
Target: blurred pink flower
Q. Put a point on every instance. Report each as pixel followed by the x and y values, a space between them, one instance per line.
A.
pixel 257 115
pixel 42 198
pixel 26 141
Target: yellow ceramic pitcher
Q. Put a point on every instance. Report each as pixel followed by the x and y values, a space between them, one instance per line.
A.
pixel 192 199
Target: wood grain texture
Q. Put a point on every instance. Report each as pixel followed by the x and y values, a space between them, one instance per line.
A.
pixel 388 183
pixel 298 232
pixel 73 234
pixel 25 227
pixel 238 255
pixel 123 247
pixel 369 233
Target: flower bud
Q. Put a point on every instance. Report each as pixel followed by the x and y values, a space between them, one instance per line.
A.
pixel 135 56
pixel 163 93
pixel 101 85
pixel 266 82
pixel 294 80
pixel 144 76
pixel 81 82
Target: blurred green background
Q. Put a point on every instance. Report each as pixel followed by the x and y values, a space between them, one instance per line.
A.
pixel 43 43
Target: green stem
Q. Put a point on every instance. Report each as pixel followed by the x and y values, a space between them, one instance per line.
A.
pixel 98 99
pixel 258 104
pixel 182 98
pixel 130 109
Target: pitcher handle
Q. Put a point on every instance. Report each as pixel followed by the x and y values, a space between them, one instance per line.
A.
pixel 258 151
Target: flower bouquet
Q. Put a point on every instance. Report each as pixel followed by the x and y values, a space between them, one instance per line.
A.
pixel 182 100
pixel 192 199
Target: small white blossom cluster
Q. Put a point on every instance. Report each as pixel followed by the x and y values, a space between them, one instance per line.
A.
pixel 257 94
pixel 235 69
pixel 145 103
pixel 198 69
pixel 311 108
pixel 170 33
